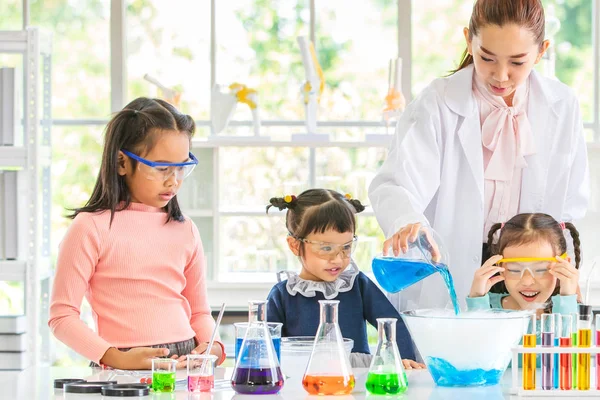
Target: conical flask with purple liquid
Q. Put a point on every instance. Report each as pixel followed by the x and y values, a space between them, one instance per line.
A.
pixel 257 369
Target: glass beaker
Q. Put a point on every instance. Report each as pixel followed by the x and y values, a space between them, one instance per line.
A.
pixel 274 331
pixel 328 371
pixel 163 374
pixel 257 369
pixel 386 374
pixel 201 372
pixel 423 257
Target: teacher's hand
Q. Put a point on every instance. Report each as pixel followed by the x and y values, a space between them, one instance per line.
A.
pixel 408 234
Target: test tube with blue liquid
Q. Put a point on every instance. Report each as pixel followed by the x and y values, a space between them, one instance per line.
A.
pixel 547 328
pixel 557 334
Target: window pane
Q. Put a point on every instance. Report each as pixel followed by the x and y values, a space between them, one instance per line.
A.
pixel 250 176
pixel 349 170
pixel 437 38
pixel 589 134
pixel 80 55
pixel 253 249
pixel 256 46
pixel 370 241
pixel 12 298
pixel 573 46
pixel 170 41
pixel 76 155
pixel 355 61
pixel 196 192
pixel 12 15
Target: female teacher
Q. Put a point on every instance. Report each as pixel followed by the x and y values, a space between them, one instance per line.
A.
pixel 491 140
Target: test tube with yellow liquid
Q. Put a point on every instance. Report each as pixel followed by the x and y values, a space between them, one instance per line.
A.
pixel 584 339
pixel 529 359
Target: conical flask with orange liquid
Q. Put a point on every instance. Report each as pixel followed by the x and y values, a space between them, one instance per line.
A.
pixel 328 371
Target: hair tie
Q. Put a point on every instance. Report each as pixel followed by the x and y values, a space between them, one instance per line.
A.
pixel 562 225
pixel 348 196
pixel 502 226
pixel 289 198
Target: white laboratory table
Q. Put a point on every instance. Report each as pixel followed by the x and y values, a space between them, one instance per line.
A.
pixel 37 383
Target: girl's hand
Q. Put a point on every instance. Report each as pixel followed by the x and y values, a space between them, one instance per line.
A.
pixel 216 350
pixel 484 277
pixel 409 233
pixel 136 358
pixel 181 361
pixel 411 364
pixel 568 276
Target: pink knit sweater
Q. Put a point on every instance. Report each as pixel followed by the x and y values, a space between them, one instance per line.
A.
pixel 144 279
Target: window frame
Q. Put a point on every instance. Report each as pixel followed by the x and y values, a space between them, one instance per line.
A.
pixel 220 290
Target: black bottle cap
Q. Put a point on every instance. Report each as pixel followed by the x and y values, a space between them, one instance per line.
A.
pixel 59 383
pixel 87 387
pixel 126 390
pixel 585 310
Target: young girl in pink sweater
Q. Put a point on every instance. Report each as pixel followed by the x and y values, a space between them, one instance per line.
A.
pixel 130 251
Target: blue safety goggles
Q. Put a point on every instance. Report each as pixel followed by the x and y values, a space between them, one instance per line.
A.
pixel 161 171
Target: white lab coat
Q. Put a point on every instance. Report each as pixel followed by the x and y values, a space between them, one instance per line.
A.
pixel 434 174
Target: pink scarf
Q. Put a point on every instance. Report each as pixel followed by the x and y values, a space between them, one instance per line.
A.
pixel 506 132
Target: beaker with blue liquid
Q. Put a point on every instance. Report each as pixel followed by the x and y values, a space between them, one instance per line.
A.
pixel 274 331
pixel 424 257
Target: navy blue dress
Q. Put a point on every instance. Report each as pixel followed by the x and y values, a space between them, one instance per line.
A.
pixel 364 302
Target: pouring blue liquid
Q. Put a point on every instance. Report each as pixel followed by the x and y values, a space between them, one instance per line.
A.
pixel 396 274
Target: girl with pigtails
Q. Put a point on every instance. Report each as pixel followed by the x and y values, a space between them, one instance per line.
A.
pixel 321 229
pixel 530 268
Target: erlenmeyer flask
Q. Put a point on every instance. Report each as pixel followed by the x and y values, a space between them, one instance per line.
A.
pixel 257 368
pixel 386 374
pixel 328 371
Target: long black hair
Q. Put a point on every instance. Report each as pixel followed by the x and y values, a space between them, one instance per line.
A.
pixel 135 128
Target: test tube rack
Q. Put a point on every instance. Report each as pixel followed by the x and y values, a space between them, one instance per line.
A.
pixel 517 388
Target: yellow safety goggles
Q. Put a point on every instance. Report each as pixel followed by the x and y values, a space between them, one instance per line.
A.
pixel 530 259
pixel 514 268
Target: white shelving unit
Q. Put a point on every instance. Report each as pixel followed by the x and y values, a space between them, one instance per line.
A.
pixel 32 161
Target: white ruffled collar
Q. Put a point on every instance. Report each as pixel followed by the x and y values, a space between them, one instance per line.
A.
pixel 330 290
